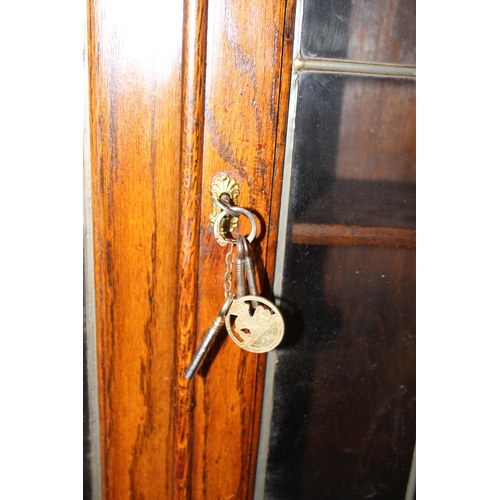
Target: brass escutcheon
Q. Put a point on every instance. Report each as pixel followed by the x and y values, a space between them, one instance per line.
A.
pixel 224 185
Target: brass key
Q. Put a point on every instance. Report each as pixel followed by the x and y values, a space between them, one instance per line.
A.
pixel 209 338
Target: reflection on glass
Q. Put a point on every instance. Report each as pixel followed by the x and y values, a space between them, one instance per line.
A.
pixel 359 31
pixel 354 151
pixel 344 404
pixel 343 422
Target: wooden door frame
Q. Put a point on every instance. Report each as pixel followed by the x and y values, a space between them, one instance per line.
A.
pixel 211 102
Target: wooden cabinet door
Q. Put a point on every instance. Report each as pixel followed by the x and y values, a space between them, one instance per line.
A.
pixel 179 93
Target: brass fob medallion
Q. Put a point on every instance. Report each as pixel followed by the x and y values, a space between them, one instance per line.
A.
pixel 255 323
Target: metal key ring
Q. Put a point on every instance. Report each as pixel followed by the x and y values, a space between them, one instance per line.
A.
pixel 244 243
pixel 225 207
pixel 222 240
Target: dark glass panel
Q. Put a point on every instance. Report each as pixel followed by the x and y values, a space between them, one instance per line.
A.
pixel 343 422
pixel 358 31
pixel 364 203
pixel 354 151
pixel 344 403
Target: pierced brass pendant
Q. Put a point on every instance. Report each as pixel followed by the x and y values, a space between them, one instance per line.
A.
pixel 225 185
pixel 257 331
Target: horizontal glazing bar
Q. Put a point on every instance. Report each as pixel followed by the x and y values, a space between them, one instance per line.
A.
pixel 332 65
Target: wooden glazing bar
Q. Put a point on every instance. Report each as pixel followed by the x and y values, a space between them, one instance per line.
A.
pixel 340 235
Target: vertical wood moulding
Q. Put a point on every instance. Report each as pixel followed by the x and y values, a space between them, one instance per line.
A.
pixel 192 125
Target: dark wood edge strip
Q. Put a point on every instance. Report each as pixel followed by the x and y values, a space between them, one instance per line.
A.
pixel 340 235
pixel 192 125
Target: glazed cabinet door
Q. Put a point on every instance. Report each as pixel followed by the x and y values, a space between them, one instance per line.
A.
pixel 310 108
pixel 180 93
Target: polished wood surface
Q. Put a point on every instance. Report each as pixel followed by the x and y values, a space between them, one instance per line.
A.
pixel 135 96
pixel 340 235
pixel 244 54
pixel 178 95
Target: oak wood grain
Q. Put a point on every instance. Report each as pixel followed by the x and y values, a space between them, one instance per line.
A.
pixel 135 91
pixel 244 54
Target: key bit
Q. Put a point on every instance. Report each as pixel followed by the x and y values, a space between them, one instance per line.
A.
pixel 209 338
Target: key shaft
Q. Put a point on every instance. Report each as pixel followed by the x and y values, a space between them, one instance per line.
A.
pixel 249 271
pixel 240 276
pixel 209 338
